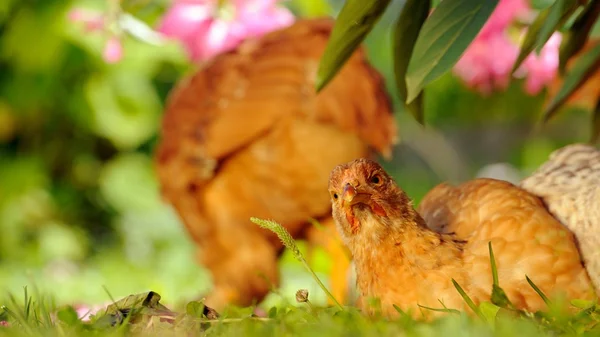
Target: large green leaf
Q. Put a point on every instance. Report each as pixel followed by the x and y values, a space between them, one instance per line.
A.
pixel 529 42
pixel 596 123
pixel 546 23
pixel 355 21
pixel 585 66
pixel 132 307
pixel 578 33
pixel 444 37
pixel 408 26
pixel 559 13
pixel 311 8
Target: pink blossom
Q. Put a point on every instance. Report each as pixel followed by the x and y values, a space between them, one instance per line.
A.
pixel 206 28
pixel 92 20
pixel 505 13
pixel 541 69
pixel 487 63
pixel 113 50
pixel 95 21
pixel 4 323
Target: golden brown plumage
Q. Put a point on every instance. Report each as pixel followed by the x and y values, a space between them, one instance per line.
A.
pixel 569 185
pixel 247 136
pixel 408 258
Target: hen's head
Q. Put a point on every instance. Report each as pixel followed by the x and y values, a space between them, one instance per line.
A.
pixel 366 200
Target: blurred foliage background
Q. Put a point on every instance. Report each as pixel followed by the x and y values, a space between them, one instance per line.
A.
pixel 79 202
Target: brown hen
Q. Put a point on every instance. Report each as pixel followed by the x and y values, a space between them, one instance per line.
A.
pixel 409 258
pixel 248 136
pixel 569 185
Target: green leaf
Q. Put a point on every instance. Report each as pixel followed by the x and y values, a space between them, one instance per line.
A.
pixel 596 123
pixel 68 315
pixel 546 23
pixel 355 21
pixel 529 42
pixel 574 39
pixel 489 311
pixel 198 309
pixel 408 25
pixel 538 290
pixel 195 309
pixel 493 265
pixel 585 66
pixel 446 310
pixel 273 312
pixel 130 307
pixel 582 304
pixel 467 299
pixel 499 296
pixel 126 107
pixel 311 8
pixel 400 311
pixel 444 37
pixel 558 14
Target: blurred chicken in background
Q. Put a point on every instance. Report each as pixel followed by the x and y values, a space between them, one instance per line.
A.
pixel 248 136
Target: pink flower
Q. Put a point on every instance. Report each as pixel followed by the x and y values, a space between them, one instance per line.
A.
pixel 95 21
pixel 4 323
pixel 92 20
pixel 485 70
pixel 206 28
pixel 113 50
pixel 504 15
pixel 487 62
pixel 541 69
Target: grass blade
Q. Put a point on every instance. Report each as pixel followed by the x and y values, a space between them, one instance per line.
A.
pixel 538 290
pixel 290 244
pixel 499 296
pixel 447 310
pixel 467 299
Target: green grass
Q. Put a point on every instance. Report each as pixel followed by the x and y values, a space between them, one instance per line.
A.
pixel 38 316
pixel 144 315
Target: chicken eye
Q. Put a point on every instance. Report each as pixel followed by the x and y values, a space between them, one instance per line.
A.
pixel 335 196
pixel 376 179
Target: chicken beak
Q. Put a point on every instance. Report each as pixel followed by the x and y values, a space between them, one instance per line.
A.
pixel 348 193
pixel 351 196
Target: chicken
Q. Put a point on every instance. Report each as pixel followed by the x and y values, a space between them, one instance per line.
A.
pixel 409 258
pixel 569 185
pixel 248 136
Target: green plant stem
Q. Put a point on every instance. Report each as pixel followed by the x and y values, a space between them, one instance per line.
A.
pixel 290 243
pixel 330 295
